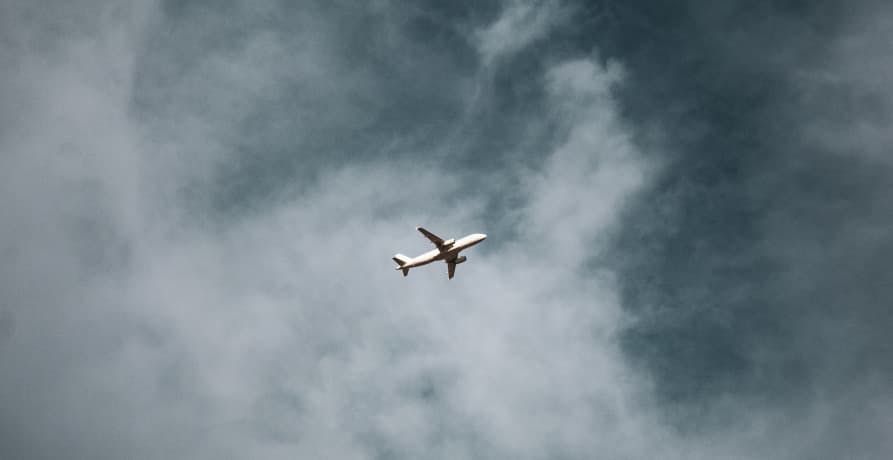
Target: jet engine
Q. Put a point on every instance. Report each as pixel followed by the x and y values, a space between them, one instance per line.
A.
pixel 448 242
pixel 460 259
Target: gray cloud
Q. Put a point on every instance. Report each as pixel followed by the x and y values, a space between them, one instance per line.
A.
pixel 754 262
pixel 155 324
pixel 520 24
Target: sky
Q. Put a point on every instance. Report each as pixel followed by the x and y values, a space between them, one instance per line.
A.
pixel 687 209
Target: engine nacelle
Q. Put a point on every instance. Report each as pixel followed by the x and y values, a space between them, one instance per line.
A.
pixel 448 242
pixel 460 259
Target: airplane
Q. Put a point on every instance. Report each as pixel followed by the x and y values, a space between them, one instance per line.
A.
pixel 447 251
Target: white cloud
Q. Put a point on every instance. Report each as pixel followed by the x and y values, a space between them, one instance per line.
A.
pixel 521 23
pixel 145 332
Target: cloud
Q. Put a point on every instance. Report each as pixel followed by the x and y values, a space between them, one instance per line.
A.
pixel 201 201
pixel 520 24
pixel 152 325
pixel 843 91
pixel 825 234
pixel 752 263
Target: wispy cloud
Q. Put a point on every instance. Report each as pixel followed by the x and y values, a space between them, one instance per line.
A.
pixel 520 24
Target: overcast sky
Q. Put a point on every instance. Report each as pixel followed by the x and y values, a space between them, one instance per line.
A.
pixel 690 249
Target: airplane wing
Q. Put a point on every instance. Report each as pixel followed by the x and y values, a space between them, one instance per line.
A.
pixel 451 269
pixel 438 241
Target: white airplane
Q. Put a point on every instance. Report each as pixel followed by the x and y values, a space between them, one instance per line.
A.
pixel 447 251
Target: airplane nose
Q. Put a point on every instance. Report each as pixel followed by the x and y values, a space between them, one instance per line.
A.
pixel 482 236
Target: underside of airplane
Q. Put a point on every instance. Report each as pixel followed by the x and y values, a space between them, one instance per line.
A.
pixel 446 250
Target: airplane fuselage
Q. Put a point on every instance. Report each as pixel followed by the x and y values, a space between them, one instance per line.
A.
pixel 446 252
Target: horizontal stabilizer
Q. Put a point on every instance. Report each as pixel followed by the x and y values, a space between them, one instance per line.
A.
pixel 401 259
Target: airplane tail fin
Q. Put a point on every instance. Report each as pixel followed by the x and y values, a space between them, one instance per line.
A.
pixel 401 261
